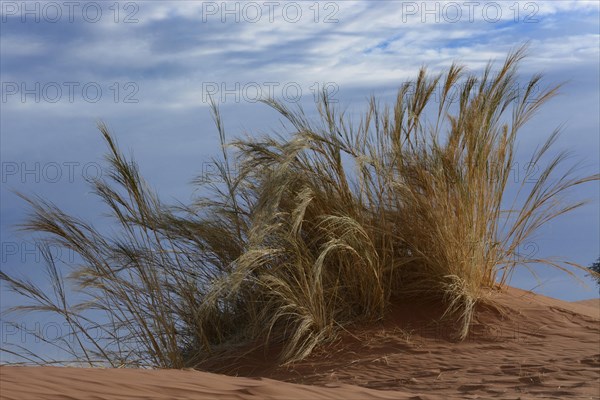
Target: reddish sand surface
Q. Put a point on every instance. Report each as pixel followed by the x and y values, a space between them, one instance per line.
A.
pixel 532 347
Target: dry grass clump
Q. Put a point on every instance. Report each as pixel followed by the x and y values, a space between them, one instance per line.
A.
pixel 316 230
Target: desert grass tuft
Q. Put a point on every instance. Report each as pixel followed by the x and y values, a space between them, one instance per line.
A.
pixel 317 229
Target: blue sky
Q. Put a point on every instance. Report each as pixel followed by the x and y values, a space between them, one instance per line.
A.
pixel 146 68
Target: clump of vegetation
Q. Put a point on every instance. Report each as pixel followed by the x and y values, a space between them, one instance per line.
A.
pixel 595 271
pixel 317 229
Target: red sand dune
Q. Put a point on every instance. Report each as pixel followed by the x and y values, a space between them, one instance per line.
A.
pixel 535 347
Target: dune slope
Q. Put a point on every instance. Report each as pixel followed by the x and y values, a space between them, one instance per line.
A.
pixel 532 347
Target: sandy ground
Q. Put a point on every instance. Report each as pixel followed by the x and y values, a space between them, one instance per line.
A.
pixel 533 347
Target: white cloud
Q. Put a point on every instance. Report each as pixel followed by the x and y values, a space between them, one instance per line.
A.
pixel 16 46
